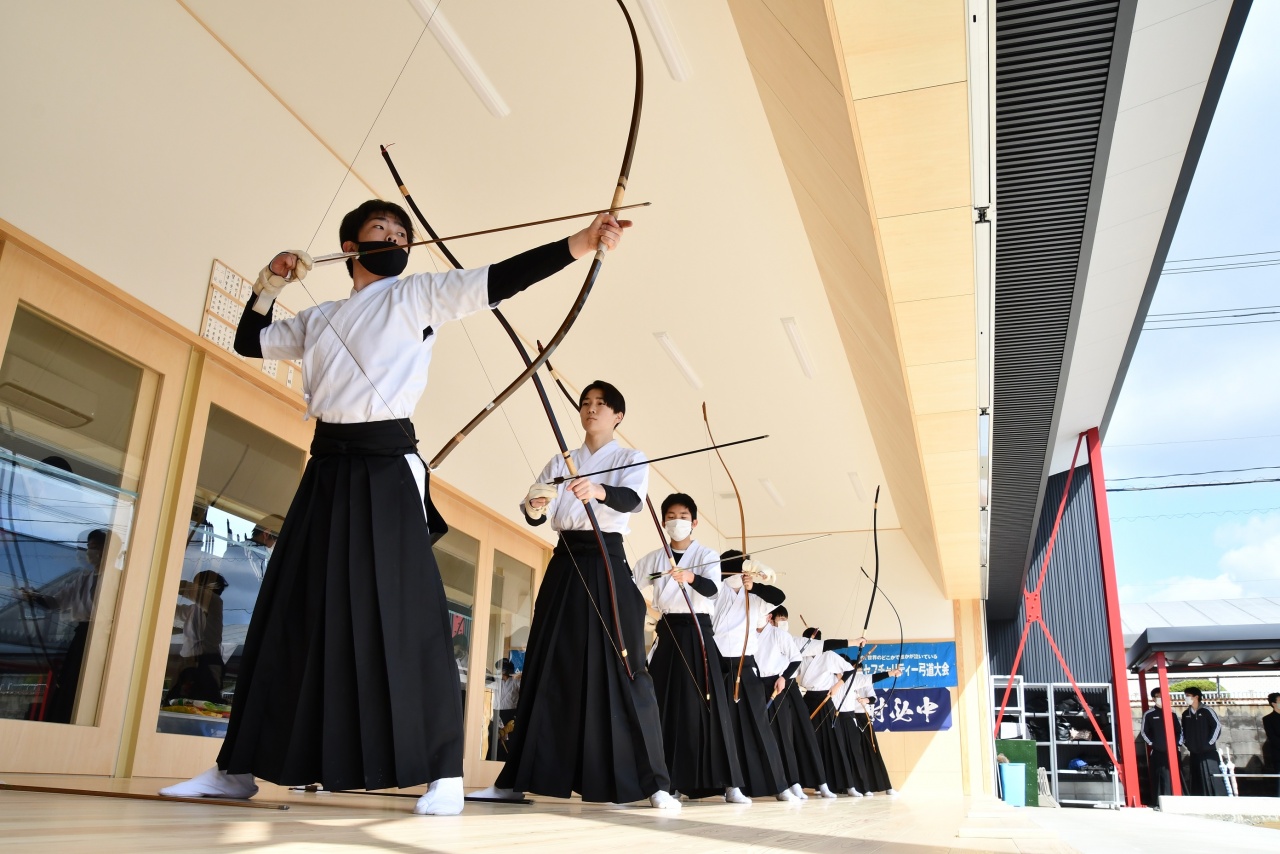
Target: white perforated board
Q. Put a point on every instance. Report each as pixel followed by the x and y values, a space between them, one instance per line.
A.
pixel 229 292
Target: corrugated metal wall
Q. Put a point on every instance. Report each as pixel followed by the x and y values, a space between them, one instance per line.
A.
pixel 1071 600
pixel 1053 75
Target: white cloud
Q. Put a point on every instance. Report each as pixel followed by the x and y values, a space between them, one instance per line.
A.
pixel 1253 552
pixel 1248 566
pixel 1184 588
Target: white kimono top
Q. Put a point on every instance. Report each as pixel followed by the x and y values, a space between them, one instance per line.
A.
pixel 381 325
pixel 821 671
pixel 861 688
pixel 729 620
pixel 775 650
pixel 666 592
pixel 567 513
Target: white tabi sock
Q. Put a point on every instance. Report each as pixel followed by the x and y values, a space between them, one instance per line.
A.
pixel 493 793
pixel 798 791
pixel 854 793
pixel 663 801
pixel 787 795
pixel 825 792
pixel 871 794
pixel 892 793
pixel 443 797
pixel 214 783
pixel 734 795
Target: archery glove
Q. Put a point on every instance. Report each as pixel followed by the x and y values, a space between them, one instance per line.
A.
pixel 539 490
pixel 269 285
pixel 764 574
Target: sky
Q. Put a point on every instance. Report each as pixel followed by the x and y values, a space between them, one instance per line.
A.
pixel 1197 400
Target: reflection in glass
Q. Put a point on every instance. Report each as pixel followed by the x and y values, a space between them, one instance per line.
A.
pixel 246 480
pixel 73 425
pixel 457 556
pixel 510 614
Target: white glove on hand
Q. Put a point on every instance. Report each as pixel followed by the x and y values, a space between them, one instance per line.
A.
pixel 764 574
pixel 538 490
pixel 269 285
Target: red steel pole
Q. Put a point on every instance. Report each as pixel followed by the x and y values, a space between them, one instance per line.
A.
pixel 1171 744
pixel 1111 591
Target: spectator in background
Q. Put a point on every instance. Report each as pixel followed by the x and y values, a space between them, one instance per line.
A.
pixel 201 676
pixel 506 696
pixel 1271 745
pixel 58 463
pixel 461 652
pixel 1158 758
pixel 72 598
pixel 1201 729
pixel 253 554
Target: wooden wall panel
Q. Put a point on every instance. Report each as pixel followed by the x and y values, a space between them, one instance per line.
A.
pixel 879 167
pixel 896 47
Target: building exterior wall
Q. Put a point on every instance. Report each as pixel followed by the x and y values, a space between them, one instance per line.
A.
pixel 1072 600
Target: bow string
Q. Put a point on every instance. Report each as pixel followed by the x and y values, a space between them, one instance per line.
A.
pixel 742 524
pixel 620 645
pixel 597 262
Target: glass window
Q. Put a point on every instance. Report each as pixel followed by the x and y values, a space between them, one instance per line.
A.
pixel 74 419
pixel 510 615
pixel 247 478
pixel 457 555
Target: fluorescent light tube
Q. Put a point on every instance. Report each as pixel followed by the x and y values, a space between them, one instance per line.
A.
pixel 678 358
pixel 664 33
pixel 857 486
pixel 773 491
pixel 466 64
pixel 797 344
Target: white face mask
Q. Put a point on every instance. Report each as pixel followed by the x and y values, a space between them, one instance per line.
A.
pixel 782 624
pixel 679 529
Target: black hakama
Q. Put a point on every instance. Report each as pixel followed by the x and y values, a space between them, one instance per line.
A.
pixel 697 734
pixel 874 774
pixel 1204 775
pixel 855 741
pixel 762 769
pixel 1158 776
pixel 348 677
pixel 797 745
pixel 832 745
pixel 581 725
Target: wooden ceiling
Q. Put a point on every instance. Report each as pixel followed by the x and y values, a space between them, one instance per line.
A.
pixel 868 103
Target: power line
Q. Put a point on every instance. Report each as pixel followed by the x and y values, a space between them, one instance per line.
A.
pixel 1189 473
pixel 1206 325
pixel 1215 311
pixel 1194 441
pixel 1216 257
pixel 1251 580
pixel 1190 317
pixel 1193 485
pixel 1196 515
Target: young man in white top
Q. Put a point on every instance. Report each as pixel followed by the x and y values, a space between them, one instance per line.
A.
pixel 747 594
pixel 587 720
pixel 779 658
pixel 348 676
pixel 697 733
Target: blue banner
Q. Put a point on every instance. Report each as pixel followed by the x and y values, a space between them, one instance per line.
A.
pixel 924 665
pixel 912 710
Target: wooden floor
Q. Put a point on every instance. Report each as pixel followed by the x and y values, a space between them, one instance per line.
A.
pixel 336 824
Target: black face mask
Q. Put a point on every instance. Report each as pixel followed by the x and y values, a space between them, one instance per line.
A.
pixel 385 263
